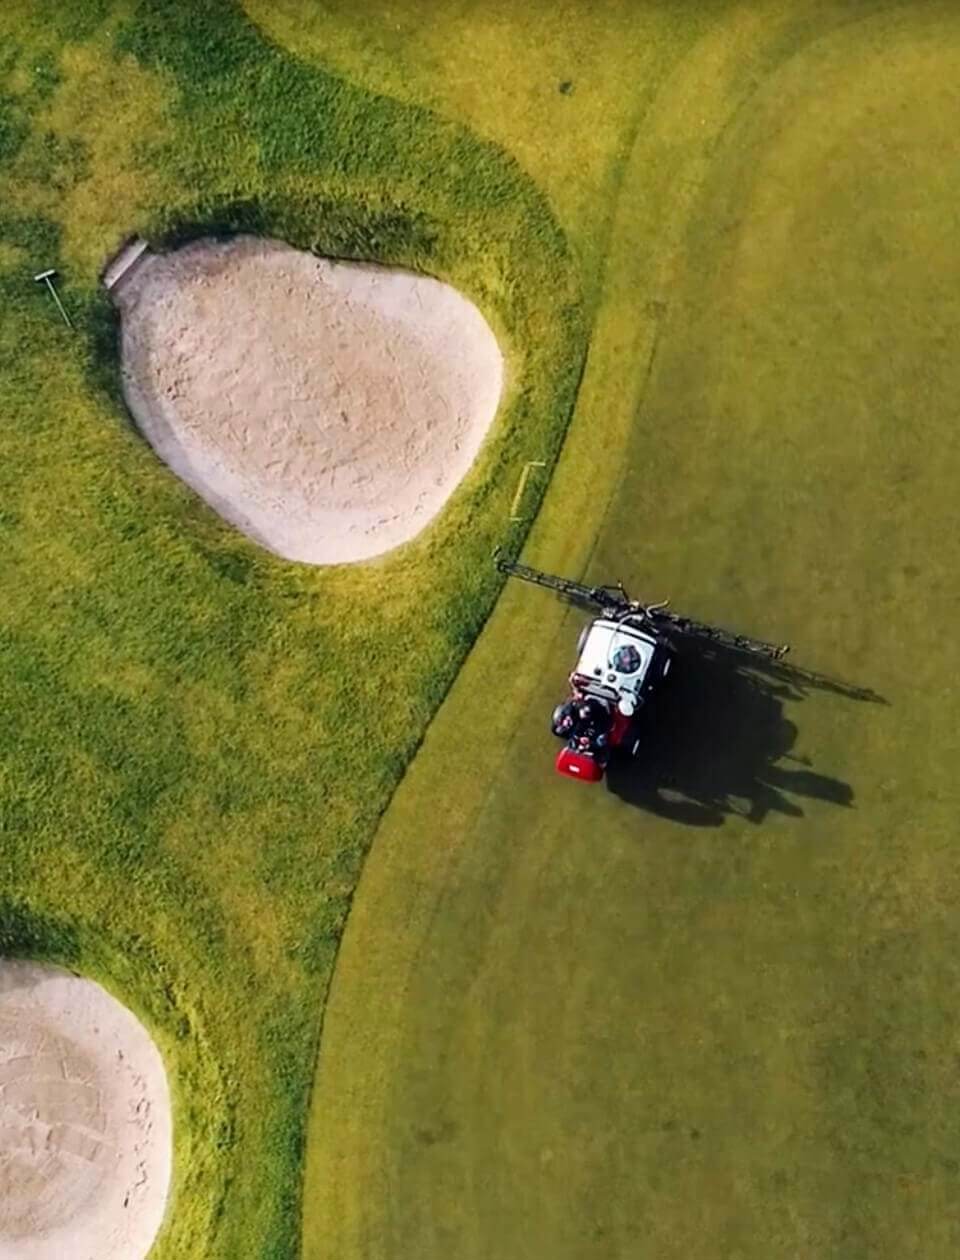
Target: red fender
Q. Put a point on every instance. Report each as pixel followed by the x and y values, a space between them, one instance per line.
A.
pixel 620 728
pixel 578 766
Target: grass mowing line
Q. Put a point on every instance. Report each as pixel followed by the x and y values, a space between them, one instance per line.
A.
pixel 731 933
pixel 409 868
pixel 175 808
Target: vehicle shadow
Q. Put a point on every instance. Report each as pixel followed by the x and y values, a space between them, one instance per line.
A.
pixel 713 744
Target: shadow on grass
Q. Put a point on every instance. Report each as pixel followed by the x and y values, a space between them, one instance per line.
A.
pixel 103 354
pixel 718 744
pixel 28 933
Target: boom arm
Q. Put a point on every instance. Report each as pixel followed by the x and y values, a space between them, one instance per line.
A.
pixel 612 597
pixel 614 601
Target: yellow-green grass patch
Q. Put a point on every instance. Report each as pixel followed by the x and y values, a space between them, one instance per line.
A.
pixel 193 761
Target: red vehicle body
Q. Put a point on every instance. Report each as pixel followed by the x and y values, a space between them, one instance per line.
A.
pixel 585 764
pixel 577 765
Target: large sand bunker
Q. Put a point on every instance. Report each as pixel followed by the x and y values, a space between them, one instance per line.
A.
pixel 327 409
pixel 85 1133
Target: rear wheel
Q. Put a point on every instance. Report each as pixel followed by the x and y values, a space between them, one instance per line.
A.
pixel 555 719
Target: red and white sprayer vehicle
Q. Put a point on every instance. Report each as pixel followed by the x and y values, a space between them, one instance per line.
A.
pixel 624 655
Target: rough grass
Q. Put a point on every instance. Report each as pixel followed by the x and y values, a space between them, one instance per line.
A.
pixel 562 87
pixel 710 1012
pixel 192 763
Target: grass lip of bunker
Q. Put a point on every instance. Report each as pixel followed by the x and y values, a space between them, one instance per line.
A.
pixel 327 409
pixel 85 1127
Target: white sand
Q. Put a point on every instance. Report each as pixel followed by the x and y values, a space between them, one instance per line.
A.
pixel 326 409
pixel 85 1131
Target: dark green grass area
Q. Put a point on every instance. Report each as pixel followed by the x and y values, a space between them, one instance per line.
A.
pixel 708 1009
pixel 193 762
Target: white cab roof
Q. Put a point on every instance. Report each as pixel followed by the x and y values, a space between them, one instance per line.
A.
pixel 615 656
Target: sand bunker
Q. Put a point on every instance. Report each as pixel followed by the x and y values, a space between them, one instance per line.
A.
pixel 85 1137
pixel 327 409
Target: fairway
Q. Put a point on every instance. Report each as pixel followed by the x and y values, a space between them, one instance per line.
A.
pixel 686 282
pixel 708 1013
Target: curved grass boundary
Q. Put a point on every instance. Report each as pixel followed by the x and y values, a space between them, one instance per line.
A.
pixel 184 799
pixel 392 918
pixel 440 895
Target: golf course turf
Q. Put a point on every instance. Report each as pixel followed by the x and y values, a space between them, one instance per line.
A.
pixel 707 1012
pixel 198 739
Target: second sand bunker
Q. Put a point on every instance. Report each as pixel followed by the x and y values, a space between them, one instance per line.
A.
pixel 327 409
pixel 85 1127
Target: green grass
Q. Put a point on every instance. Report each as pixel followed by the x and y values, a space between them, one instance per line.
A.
pixel 188 792
pixel 710 1013
pixel 563 1023
pixel 562 88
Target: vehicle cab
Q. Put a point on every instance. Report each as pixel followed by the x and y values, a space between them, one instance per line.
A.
pixel 619 662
